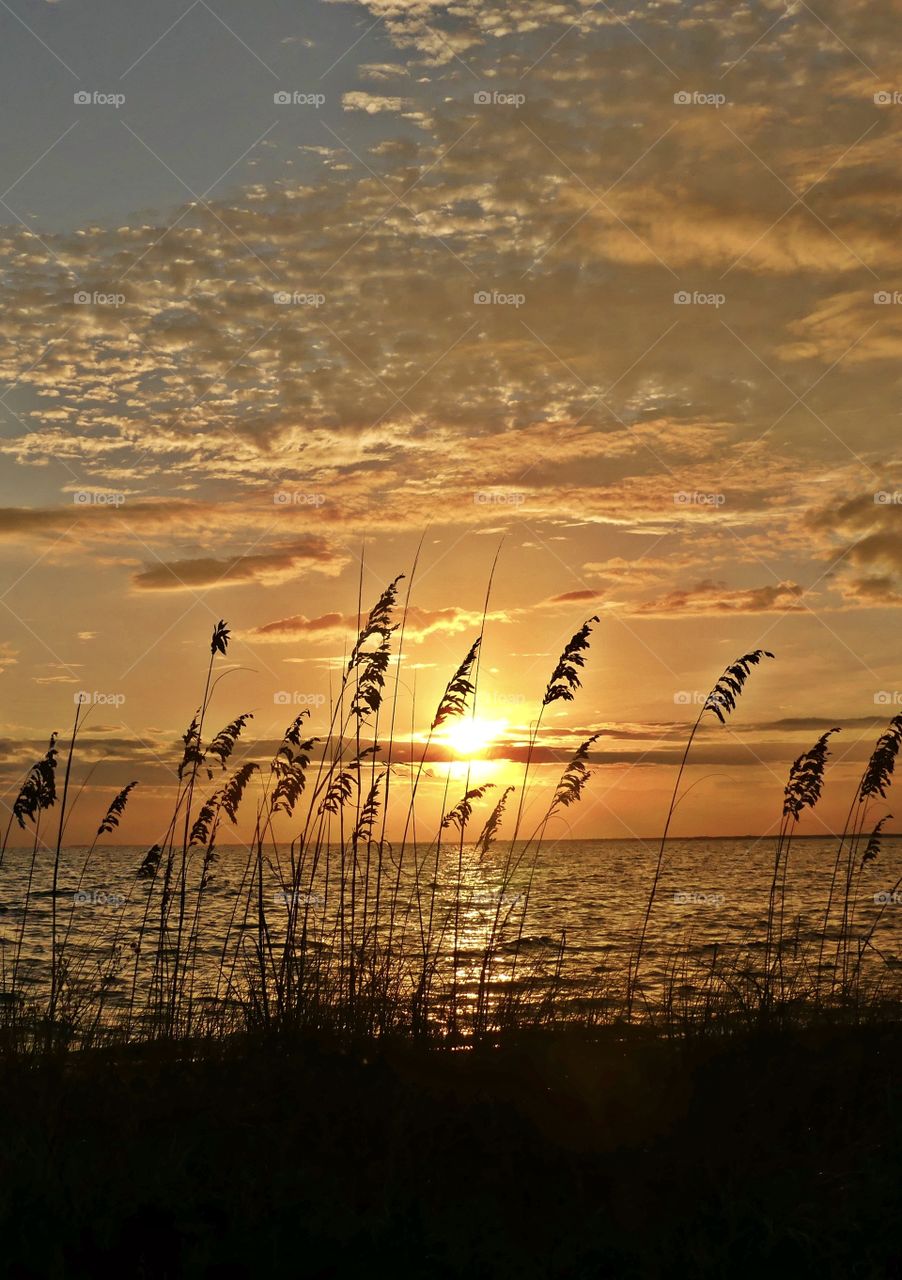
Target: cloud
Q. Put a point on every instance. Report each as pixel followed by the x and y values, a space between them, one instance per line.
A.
pixel 482 333
pixel 877 591
pixel 267 567
pixel 582 596
pixel 382 71
pixel 713 598
pixel 865 534
pixel 637 572
pixel 327 627
pixel 330 628
pixel 371 103
pixel 18 522
pixel 857 326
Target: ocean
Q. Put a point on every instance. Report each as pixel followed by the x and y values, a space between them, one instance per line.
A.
pixel 575 914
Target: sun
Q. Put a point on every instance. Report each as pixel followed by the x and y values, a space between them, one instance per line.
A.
pixel 470 736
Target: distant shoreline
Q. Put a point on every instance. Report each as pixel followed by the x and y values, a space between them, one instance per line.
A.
pixel 651 839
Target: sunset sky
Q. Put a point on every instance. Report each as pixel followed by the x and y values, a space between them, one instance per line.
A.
pixel 617 289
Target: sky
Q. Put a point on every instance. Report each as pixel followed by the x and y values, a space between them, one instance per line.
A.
pixel 300 294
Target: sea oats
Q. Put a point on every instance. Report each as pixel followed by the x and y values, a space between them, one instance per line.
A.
pixel 116 810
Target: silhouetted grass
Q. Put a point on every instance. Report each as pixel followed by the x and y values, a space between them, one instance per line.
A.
pixel 288 1109
pixel 384 955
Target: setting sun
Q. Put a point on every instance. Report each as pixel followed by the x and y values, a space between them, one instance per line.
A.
pixel 472 735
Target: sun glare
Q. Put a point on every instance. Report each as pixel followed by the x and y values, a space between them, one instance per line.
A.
pixel 470 736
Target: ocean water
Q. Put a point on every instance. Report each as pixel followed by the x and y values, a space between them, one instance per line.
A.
pixel 578 911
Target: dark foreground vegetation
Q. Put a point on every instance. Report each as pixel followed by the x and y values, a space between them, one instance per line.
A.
pixel 345 1092
pixel 773 1153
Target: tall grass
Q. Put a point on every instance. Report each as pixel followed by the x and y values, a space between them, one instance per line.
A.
pixel 338 927
pixel 720 702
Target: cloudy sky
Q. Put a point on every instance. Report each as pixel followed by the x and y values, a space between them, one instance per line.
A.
pixel 617 290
